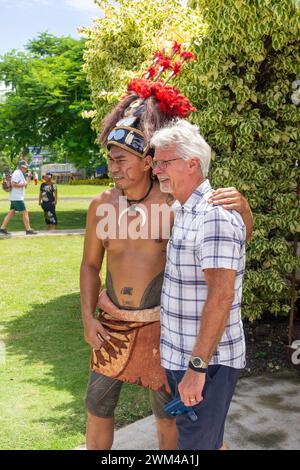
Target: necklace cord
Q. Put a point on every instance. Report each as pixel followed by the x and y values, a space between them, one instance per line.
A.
pixel 137 201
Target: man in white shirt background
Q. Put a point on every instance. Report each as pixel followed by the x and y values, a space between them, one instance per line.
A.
pixel 16 197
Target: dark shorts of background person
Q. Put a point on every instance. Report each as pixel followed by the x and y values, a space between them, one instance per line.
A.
pixel 18 206
pixel 207 432
pixel 49 213
pixel 103 395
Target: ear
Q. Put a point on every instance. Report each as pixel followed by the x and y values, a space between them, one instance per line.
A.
pixel 147 162
pixel 194 165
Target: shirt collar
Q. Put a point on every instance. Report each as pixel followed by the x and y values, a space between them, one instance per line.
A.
pixel 194 198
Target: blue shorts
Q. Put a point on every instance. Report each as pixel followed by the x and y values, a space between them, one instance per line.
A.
pixel 207 432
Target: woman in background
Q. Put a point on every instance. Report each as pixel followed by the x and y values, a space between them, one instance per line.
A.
pixel 48 201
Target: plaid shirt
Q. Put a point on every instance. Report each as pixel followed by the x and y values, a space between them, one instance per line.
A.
pixel 203 236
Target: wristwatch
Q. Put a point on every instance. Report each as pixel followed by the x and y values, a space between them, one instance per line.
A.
pixel 197 364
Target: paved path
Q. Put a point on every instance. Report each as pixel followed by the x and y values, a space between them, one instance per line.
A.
pixel 44 233
pixel 264 415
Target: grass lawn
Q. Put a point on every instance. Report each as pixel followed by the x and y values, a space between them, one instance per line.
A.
pixel 44 373
pixel 71 214
pixel 65 190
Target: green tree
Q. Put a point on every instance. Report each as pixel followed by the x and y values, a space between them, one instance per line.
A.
pixel 49 93
pixel 243 80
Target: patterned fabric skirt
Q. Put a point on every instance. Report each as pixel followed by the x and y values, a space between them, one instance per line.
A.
pixel 49 213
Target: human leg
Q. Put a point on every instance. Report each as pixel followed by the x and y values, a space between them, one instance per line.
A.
pixel 165 424
pixel 99 432
pixel 47 215
pixel 166 433
pixel 7 218
pixel 26 221
pixel 225 446
pixel 50 215
pixel 101 400
pixel 46 218
pixel 54 217
pixel 206 433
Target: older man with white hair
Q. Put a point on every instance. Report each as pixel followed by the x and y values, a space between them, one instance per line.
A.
pixel 202 338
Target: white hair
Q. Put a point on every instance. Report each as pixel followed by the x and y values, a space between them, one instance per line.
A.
pixel 188 141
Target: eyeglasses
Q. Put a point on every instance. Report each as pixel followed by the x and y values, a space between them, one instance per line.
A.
pixel 162 164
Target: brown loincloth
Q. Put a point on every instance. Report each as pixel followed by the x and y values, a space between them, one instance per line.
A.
pixel 131 354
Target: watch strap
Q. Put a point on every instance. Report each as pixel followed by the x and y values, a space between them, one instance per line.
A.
pixel 197 369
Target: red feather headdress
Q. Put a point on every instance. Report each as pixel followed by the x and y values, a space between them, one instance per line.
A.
pixel 171 101
pixel 127 126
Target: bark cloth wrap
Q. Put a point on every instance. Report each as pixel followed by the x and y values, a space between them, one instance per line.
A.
pixel 132 352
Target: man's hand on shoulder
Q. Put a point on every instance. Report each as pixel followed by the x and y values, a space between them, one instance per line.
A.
pixel 230 198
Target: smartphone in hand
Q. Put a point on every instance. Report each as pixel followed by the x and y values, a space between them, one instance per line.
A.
pixel 177 407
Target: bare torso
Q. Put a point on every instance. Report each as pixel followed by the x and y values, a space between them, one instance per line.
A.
pixel 135 267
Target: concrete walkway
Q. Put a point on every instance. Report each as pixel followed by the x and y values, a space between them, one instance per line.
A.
pixel 264 415
pixel 44 233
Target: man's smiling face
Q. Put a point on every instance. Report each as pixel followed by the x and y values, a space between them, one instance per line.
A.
pixel 169 170
pixel 125 168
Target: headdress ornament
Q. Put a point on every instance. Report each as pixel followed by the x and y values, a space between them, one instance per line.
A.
pixel 148 104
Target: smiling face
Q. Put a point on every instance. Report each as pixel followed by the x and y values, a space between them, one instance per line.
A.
pixel 176 176
pixel 170 173
pixel 125 168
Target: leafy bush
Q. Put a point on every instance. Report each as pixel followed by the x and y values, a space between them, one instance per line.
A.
pixel 242 89
pixel 247 60
pixel 120 45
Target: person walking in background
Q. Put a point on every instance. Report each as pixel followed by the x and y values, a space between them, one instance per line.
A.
pixel 16 197
pixel 48 201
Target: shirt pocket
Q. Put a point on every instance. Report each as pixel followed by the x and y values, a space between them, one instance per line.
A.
pixel 184 255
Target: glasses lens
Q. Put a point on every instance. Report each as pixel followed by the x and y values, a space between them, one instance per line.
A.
pixel 160 165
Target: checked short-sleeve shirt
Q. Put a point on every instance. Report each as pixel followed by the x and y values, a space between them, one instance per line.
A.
pixel 204 236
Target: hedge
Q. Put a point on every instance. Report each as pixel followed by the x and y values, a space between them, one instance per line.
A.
pixel 244 85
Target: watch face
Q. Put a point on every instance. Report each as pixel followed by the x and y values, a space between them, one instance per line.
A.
pixel 197 362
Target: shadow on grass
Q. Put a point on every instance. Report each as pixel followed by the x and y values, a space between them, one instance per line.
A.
pixel 66 219
pixel 52 334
